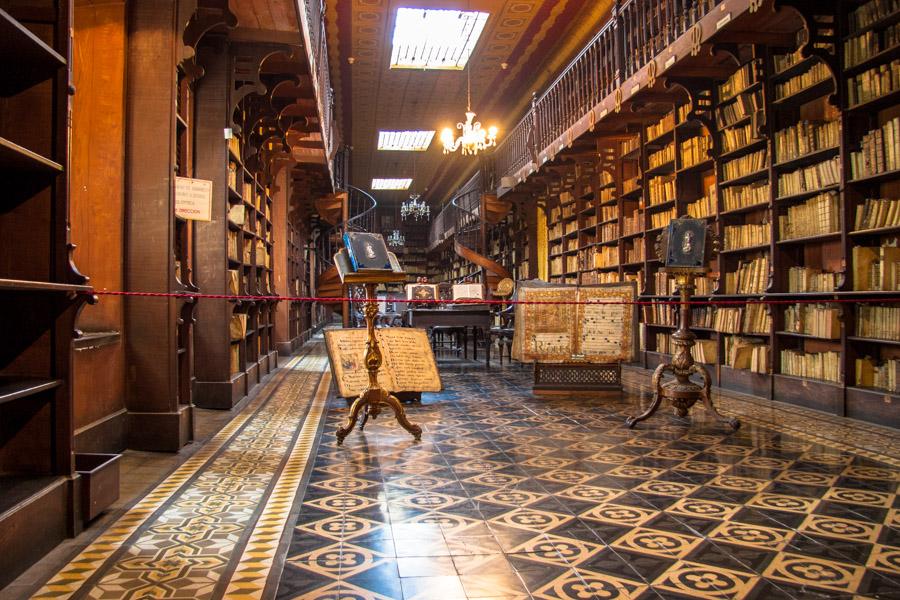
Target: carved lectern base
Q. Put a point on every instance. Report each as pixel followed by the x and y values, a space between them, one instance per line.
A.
pixel 683 394
pixel 372 401
pixel 375 396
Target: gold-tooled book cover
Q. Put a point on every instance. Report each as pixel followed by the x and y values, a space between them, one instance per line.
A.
pixel 572 332
pixel 408 363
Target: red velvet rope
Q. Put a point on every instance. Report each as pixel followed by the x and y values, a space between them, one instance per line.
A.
pixel 773 301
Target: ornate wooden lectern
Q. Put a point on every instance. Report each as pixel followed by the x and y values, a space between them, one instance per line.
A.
pixel 684 250
pixel 375 397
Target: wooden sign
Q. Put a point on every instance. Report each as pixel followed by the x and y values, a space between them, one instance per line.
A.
pixel 193 199
pixel 408 362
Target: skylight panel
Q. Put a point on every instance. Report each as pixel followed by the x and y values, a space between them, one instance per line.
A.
pixel 435 39
pixel 415 141
pixel 391 184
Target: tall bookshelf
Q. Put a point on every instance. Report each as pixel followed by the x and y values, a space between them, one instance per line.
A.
pixel 39 288
pixel 234 338
pixel 790 156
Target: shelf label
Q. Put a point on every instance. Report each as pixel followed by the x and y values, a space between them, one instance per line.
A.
pixel 669 62
pixel 723 21
pixel 635 89
pixel 193 199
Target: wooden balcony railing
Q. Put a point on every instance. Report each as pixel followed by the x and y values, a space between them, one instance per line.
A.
pixel 637 32
pixel 312 22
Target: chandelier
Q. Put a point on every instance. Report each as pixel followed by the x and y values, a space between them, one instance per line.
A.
pixel 473 138
pixel 414 209
pixel 396 238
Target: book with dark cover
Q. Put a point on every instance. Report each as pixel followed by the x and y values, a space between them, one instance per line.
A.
pixel 367 251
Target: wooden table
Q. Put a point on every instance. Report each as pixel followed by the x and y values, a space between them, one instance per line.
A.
pixel 479 317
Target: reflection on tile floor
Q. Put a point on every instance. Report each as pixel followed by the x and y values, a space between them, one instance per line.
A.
pixel 510 496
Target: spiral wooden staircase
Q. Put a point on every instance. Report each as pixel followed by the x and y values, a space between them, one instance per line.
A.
pixel 476 211
pixel 350 210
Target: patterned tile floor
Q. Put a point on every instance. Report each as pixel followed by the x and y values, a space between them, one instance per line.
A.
pixel 510 496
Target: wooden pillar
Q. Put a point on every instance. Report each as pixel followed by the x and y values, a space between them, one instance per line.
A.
pixel 157 420
pixel 216 386
pixel 281 193
pixel 97 209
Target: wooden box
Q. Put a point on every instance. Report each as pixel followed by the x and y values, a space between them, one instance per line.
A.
pixel 99 482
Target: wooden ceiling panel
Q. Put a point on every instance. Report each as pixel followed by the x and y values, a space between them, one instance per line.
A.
pixel 532 38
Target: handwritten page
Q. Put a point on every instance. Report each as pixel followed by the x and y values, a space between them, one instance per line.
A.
pixel 407 360
pixel 574 332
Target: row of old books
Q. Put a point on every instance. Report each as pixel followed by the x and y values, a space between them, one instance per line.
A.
pixel 782 62
pixel 861 48
pixel 756 319
pixel 876 213
pixel 661 219
pixel 661 157
pixel 815 74
pixel 885 376
pixel 814 365
pixel 631 184
pixel 739 81
pixel 703 207
pixel 609 232
pixel 876 268
pixel 728 319
pixel 662 190
pixel 606 256
pixel 807 279
pixel 818 215
pixel 734 112
pixel 750 278
pixel 233 246
pixel 660 314
pixel 872 12
pixel 742 196
pixel 811 178
pixel 747 235
pixel 817 320
pixel 630 145
pixel 751 354
pixel 879 151
pixel 665 285
pixel 635 253
pixel 562 211
pixel 805 137
pixel 664 125
pixel 590 221
pixel 749 163
pixel 880 322
pixel 874 83
pixel 632 224
pixel 736 138
pixel 609 213
pixel 703 317
pixel 694 151
pixel 607 195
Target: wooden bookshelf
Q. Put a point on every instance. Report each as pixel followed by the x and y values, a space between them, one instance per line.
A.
pixel 40 290
pixel 783 153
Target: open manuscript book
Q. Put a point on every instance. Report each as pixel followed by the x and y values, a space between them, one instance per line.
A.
pixel 560 333
pixel 407 360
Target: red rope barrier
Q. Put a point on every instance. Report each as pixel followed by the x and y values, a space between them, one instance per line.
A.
pixel 723 302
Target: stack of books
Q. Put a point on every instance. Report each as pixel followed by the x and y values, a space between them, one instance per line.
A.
pixel 747 353
pixel 746 236
pixel 750 278
pixel 811 178
pixel 805 137
pixel 885 376
pixel 805 279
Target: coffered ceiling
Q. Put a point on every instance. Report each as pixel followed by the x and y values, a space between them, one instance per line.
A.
pixel 525 44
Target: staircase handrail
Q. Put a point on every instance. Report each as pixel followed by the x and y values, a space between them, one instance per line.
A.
pixel 364 220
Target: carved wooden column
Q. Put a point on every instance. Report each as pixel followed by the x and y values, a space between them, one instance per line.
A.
pixel 157 420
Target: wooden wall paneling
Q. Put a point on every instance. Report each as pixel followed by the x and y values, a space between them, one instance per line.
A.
pixel 157 421
pixel 216 386
pixel 97 208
